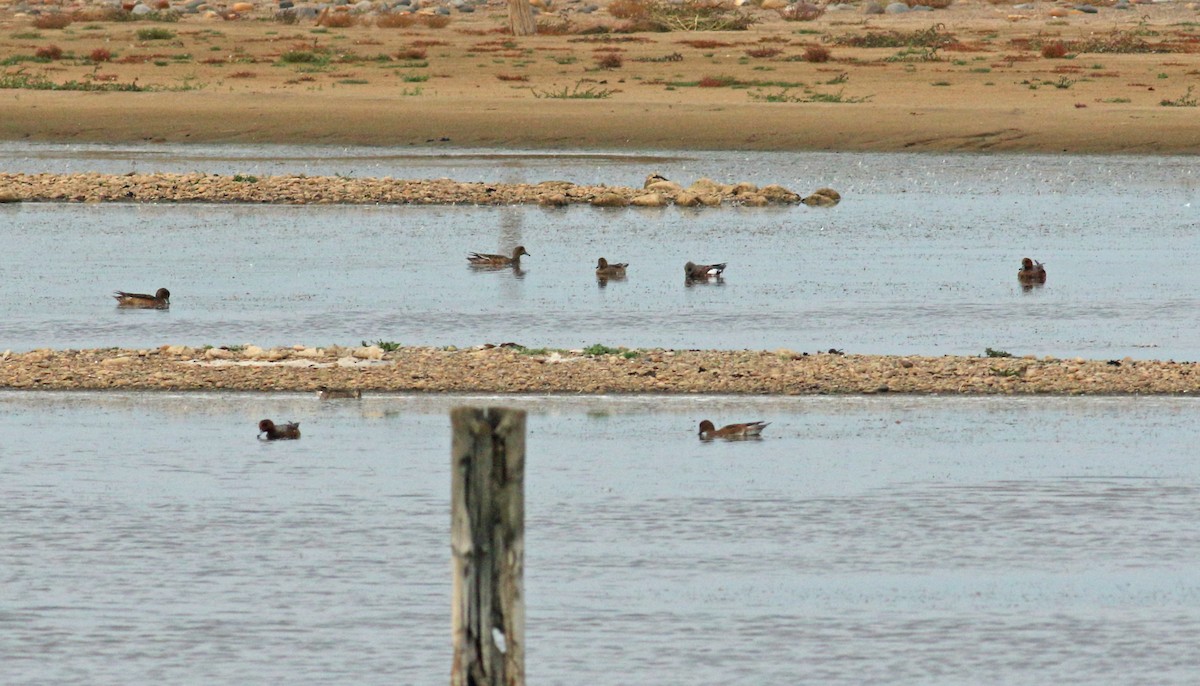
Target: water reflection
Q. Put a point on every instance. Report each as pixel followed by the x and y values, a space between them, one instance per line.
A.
pixel 908 532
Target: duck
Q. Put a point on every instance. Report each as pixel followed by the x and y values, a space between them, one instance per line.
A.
pixel 701 272
pixel 1031 271
pixel 745 430
pixel 604 270
pixel 278 433
pixel 161 299
pixel 490 260
pixel 339 394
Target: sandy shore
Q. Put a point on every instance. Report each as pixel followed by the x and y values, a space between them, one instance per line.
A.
pixel 516 370
pixel 981 83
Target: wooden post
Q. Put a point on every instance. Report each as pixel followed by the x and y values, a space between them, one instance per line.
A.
pixel 487 541
pixel 520 18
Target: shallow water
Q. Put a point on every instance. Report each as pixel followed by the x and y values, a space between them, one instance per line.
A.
pixel 150 538
pixel 918 259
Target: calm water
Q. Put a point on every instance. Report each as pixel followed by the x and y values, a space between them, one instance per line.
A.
pixel 919 258
pixel 149 538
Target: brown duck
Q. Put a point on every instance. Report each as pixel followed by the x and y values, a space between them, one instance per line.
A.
pixel 746 430
pixel 490 260
pixel 278 433
pixel 701 272
pixel 605 270
pixel 161 299
pixel 1031 272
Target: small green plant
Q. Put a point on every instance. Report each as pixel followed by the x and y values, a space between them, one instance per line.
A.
pixel 1117 100
pixel 155 33
pixel 599 349
pixel 940 83
pixel 1185 100
pixel 576 92
pixel 1063 83
pixel 386 346
pixel 532 351
pixel 303 57
pixel 997 371
pixel 992 352
pixel 245 178
pixel 234 348
pixel 414 78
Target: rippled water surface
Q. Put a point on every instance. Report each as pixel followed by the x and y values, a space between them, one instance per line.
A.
pixel 149 538
pixel 920 257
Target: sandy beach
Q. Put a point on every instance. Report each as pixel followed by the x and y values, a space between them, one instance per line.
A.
pixel 970 77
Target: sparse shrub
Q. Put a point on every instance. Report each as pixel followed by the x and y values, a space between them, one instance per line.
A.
pixel 54 20
pixel 48 52
pixel 287 16
pixel 337 20
pixel 411 54
pixel 716 82
pixel 816 53
pixel 706 44
pixel 155 33
pixel 1054 50
pixel 763 53
pixel 100 55
pixel 299 57
pixel 935 4
pixel 609 60
pixel 396 20
pixel 629 9
pixel 435 21
pixel 242 75
pixel 512 77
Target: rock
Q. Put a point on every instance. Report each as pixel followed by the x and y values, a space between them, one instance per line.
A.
pixel 649 200
pixel 687 199
pixel 664 186
pixel 8 196
pixel 610 200
pixel 370 352
pixel 755 201
pixel 253 352
pixel 745 188
pixel 218 354
pixel 140 10
pixel 873 8
pixel 1060 12
pixel 710 200
pixel 310 353
pixel 242 7
pixel 1086 9
pixel 896 8
pixel 553 200
pixel 816 200
pixel 776 193
pixel 116 361
pixel 702 186
pixel 773 4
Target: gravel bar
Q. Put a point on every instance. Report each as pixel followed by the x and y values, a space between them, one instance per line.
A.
pixel 506 369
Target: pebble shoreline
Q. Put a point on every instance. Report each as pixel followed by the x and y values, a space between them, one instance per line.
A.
pixel 516 370
pixel 305 190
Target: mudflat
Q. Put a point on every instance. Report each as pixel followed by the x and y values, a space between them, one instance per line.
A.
pixel 973 76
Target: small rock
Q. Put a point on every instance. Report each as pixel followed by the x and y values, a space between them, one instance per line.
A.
pixel 609 200
pixel 370 352
pixel 649 200
pixel 896 8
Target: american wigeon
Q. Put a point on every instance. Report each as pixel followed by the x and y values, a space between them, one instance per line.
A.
pixel 746 430
pixel 490 260
pixel 703 271
pixel 605 270
pixel 339 394
pixel 161 299
pixel 1031 272
pixel 278 433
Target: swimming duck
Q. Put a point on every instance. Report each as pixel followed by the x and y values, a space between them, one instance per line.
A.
pixel 701 272
pixel 490 260
pixel 278 433
pixel 605 270
pixel 161 299
pixel 746 430
pixel 1031 271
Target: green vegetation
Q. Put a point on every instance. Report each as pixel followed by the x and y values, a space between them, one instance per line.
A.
pixel 575 92
pixel 386 346
pixel 155 33
pixel 991 352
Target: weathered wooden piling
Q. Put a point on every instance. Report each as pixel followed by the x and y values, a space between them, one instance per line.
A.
pixel 520 18
pixel 487 540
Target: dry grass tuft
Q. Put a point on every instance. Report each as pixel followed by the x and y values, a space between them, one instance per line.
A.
pixel 1054 50
pixel 816 53
pixel 100 55
pixel 337 20
pixel 763 53
pixel 411 54
pixel 242 75
pixel 48 52
pixel 54 20
pixel 512 77
pixel 609 60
